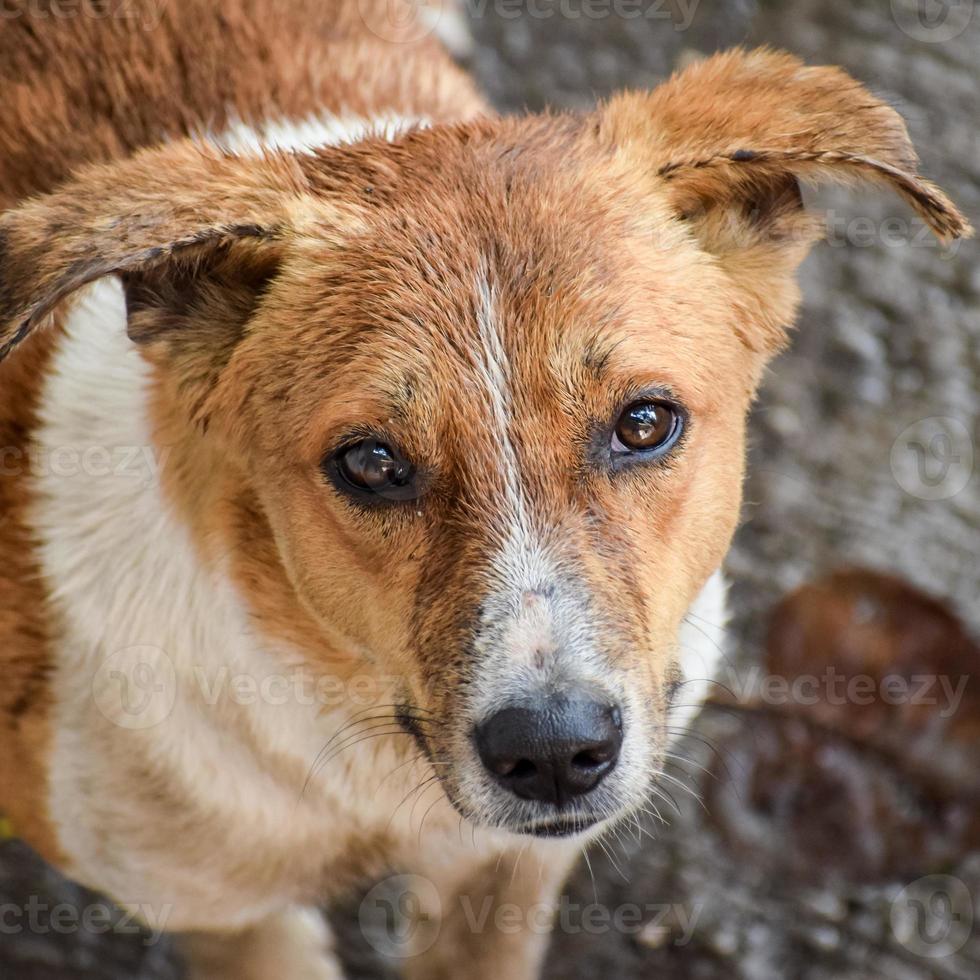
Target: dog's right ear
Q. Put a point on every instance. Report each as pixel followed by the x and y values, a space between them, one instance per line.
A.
pixel 194 234
pixel 725 144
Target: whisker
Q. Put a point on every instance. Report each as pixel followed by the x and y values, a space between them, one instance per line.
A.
pixel 513 873
pixel 418 757
pixel 416 789
pixel 687 789
pixel 439 798
pixel 611 860
pixel 641 830
pixel 356 740
pixel 726 659
pixel 656 810
pixel 680 760
pixel 358 719
pixel 664 795
pixel 698 737
pixel 588 864
pixel 703 680
pixel 324 756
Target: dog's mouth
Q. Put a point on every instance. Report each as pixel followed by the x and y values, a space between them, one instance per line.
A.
pixel 557 828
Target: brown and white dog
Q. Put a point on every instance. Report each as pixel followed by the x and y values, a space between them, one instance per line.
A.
pixel 363 449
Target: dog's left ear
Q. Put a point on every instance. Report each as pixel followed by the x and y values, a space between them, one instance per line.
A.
pixel 194 235
pixel 726 142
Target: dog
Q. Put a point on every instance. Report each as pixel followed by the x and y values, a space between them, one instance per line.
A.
pixel 369 458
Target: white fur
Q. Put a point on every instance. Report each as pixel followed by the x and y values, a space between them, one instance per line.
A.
pixel 520 565
pixel 295 943
pixel 305 135
pixel 701 648
pixel 495 374
pixel 534 631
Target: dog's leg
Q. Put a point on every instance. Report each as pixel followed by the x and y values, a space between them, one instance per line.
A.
pixel 497 922
pixel 295 943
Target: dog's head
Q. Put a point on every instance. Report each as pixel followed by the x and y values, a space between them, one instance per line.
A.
pixel 479 393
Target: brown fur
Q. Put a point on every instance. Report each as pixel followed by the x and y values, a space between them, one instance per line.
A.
pixel 24 620
pixel 97 86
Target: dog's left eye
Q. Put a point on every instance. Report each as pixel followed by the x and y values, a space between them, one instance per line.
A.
pixel 649 426
pixel 372 468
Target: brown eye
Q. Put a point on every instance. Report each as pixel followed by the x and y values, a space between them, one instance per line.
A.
pixel 647 427
pixel 374 468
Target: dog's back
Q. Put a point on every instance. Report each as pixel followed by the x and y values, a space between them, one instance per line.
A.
pixel 112 78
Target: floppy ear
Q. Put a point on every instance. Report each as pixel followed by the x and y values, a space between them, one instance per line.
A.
pixel 726 142
pixel 192 233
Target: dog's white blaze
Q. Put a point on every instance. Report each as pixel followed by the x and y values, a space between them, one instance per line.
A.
pixel 496 374
pixel 521 563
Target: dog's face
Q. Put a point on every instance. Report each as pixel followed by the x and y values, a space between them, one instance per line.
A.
pixel 484 390
pixel 506 419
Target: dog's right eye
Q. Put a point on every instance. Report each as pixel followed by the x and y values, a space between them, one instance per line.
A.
pixel 372 468
pixel 649 428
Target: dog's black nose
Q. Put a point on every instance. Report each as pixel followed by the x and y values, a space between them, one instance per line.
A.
pixel 551 749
